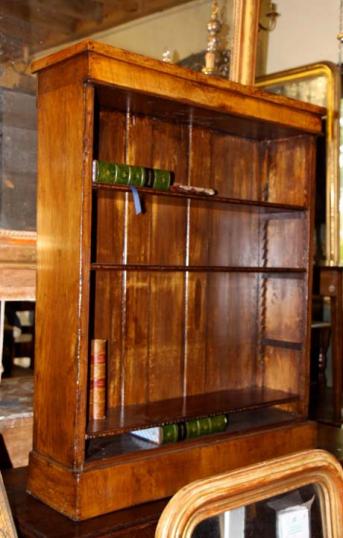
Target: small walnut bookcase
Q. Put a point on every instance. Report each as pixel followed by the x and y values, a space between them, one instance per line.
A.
pixel 203 302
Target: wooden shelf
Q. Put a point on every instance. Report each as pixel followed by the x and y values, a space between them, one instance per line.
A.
pixel 194 268
pixel 200 197
pixel 134 417
pixel 118 445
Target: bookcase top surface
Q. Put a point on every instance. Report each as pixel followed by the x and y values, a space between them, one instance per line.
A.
pixel 99 50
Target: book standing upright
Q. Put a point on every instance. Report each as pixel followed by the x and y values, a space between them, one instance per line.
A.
pixel 203 301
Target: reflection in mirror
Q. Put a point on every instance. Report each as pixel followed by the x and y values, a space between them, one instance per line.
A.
pixel 295 514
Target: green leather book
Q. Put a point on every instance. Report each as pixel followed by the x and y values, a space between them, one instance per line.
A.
pixel 104 172
pixel 205 426
pixel 190 429
pixel 218 423
pixel 126 174
pixel 122 174
pixel 162 179
pixel 138 176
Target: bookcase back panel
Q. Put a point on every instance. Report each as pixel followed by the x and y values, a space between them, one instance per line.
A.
pixel 106 320
pixel 196 155
pixel 218 235
pixel 201 233
pixel 290 163
pixel 220 161
pixel 231 332
pixel 285 308
pixel 170 334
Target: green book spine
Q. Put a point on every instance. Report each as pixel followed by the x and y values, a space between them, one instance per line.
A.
pixel 162 179
pixel 218 423
pixel 125 174
pixel 122 174
pixel 137 176
pixel 170 433
pixel 192 429
pixel 104 172
pixel 205 426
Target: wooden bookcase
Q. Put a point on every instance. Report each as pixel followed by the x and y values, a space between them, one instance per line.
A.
pixel 203 302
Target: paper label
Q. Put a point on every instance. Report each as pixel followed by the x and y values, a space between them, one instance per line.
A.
pixel 293 522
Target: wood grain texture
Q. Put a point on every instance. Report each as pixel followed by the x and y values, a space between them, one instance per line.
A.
pixel 61 356
pixel 170 410
pixel 200 300
pixel 164 473
pixel 104 56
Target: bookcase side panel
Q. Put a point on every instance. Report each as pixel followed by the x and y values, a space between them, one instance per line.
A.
pixel 291 175
pixel 290 161
pixel 64 163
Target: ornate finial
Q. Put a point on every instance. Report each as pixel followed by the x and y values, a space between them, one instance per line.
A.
pixel 214 27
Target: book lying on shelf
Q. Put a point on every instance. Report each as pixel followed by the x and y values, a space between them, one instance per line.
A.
pixel 172 433
pixel 126 174
pixel 97 380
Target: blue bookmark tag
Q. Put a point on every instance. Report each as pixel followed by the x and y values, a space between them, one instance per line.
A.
pixel 136 200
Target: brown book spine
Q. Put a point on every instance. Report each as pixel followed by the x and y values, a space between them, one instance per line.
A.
pixel 97 384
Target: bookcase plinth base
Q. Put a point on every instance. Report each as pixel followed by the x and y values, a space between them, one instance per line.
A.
pixel 123 482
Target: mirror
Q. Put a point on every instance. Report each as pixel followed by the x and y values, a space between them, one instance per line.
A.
pixel 295 496
pixel 292 514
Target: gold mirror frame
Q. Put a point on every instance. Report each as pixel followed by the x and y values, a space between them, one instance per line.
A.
pixel 331 72
pixel 244 46
pixel 212 496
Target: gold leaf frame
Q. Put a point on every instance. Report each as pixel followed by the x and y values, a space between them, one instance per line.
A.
pixel 244 19
pixel 245 30
pixel 331 72
pixel 210 497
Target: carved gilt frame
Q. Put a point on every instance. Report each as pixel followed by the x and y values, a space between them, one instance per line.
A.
pixel 331 72
pixel 243 55
pixel 212 496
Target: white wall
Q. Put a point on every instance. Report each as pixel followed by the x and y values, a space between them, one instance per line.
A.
pixel 182 30
pixel 305 33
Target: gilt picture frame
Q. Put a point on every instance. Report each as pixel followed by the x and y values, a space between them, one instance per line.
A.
pixel 320 83
pixel 237 62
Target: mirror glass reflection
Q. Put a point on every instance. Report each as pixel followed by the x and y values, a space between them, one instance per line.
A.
pixel 295 514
